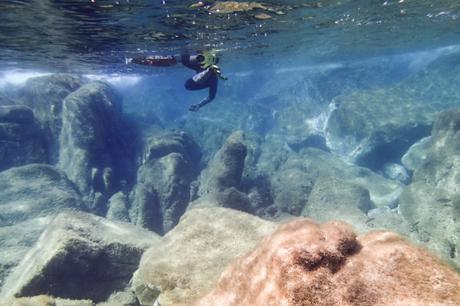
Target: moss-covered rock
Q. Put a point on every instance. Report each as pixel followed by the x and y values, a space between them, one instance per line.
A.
pixel 80 256
pixel 210 238
pixel 432 201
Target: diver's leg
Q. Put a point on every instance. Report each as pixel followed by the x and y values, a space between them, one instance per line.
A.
pixel 203 76
pixel 212 84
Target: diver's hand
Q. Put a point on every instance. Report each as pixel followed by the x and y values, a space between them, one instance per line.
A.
pixel 217 71
pixel 194 107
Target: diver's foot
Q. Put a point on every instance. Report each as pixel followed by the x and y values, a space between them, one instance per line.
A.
pixel 194 107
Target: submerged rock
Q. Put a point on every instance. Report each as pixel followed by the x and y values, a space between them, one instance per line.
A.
pixel 303 263
pixel 44 300
pixel 337 199
pixel 34 191
pixel 431 202
pixel 371 128
pixel 169 164
pixel 191 257
pixel 416 154
pixel 375 126
pixel 293 180
pixel 21 139
pixel 91 152
pixel 29 197
pixel 80 256
pixel 45 95
pixel 332 199
pixel 228 7
pixel 396 172
pixel 226 168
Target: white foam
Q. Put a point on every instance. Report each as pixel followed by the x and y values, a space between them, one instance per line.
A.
pixel 117 80
pixel 18 77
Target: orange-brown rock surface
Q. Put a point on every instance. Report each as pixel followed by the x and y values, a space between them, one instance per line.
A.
pixel 303 263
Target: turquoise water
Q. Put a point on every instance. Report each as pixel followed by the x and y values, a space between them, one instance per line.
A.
pixel 333 110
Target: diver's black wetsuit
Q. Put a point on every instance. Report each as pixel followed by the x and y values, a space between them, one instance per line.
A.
pixel 204 78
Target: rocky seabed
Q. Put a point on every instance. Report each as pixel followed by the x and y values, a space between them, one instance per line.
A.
pixel 97 209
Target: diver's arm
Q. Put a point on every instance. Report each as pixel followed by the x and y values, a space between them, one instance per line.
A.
pixel 208 99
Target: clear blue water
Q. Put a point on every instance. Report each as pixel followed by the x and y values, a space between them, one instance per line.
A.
pixel 360 80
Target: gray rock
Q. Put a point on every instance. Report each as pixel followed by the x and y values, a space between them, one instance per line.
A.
pixel 16 114
pixel 396 172
pixel 90 145
pixel 44 300
pixel 118 207
pixel 416 154
pixel 80 256
pixel 21 139
pixel 431 201
pixel 229 198
pixel 378 125
pixel 45 95
pixel 210 238
pixel 123 298
pixel 16 240
pixel 162 193
pixel 34 191
pixel 334 199
pixel 372 128
pixel 226 167
pixel 29 197
pixel 293 181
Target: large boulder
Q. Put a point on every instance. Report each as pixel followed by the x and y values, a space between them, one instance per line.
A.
pixel 191 257
pixel 80 256
pixel 91 151
pixel 336 199
pixel 16 240
pixel 431 202
pixel 303 263
pixel 44 300
pixel 45 95
pixel 375 126
pixel 169 165
pixel 34 191
pixel 29 197
pixel 293 180
pixel 226 168
pixel 21 139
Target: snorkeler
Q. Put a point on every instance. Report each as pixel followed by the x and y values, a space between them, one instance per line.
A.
pixel 207 73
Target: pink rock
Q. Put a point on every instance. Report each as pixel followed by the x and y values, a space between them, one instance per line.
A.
pixel 303 263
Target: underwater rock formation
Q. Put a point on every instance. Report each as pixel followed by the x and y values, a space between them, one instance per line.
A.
pixel 431 202
pixel 118 207
pixel 29 197
pixel 169 164
pixel 45 95
pixel 332 199
pixel 44 300
pixel 190 258
pixel 220 181
pixel 226 168
pixel 416 154
pixel 337 199
pixel 303 263
pixel 33 191
pixel 90 146
pixel 372 128
pixel 21 139
pixel 293 179
pixel 375 126
pixel 80 256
